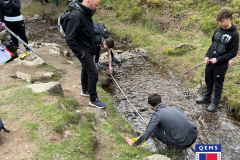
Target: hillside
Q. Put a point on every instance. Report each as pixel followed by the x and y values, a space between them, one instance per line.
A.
pixel 159 26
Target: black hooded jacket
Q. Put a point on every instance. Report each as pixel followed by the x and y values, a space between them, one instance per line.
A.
pixel 9 8
pixel 224 45
pixel 80 35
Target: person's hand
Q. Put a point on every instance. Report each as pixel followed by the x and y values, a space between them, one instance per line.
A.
pixel 213 60
pixel 3 25
pixel 206 60
pixel 129 141
pixel 82 56
pixel 110 69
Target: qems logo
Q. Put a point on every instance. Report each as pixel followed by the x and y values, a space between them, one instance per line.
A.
pixel 208 152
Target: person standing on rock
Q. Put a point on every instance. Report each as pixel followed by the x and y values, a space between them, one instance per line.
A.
pixel 170 125
pixel 224 47
pixel 80 37
pixel 10 14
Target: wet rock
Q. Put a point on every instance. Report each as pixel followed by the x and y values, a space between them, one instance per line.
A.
pixel 44 21
pixel 35 17
pixel 100 115
pixel 184 45
pixel 53 28
pixel 156 157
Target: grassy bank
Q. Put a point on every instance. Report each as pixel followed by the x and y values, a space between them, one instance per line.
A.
pixel 44 119
pixel 158 26
pixel 53 115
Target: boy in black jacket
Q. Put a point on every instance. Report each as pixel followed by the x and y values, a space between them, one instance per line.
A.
pixel 224 47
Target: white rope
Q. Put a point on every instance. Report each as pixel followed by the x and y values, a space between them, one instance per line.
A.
pixel 128 99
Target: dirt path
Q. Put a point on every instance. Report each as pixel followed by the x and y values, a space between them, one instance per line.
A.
pixel 15 145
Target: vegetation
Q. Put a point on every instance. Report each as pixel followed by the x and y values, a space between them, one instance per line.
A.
pixel 52 119
pixel 155 25
pixel 159 25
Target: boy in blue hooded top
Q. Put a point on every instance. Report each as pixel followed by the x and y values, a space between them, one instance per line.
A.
pixel 224 47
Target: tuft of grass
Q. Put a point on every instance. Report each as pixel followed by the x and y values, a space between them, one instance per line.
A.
pixel 56 73
pixel 178 51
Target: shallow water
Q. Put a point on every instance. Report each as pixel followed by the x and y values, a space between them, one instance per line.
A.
pixel 140 77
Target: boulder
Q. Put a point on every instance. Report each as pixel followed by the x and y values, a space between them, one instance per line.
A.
pixel 156 157
pixel 51 87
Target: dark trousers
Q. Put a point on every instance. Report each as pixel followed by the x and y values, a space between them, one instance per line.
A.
pixel 164 138
pixel 89 76
pixel 214 76
pixel 169 141
pixel 18 28
pixel 98 49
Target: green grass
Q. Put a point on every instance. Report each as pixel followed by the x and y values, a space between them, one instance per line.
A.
pixel 157 26
pixel 46 120
pixel 158 32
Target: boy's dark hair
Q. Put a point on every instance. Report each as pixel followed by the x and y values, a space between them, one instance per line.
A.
pixel 109 42
pixel 154 99
pixel 224 13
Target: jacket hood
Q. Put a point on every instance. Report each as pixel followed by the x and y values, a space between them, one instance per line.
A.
pixel 82 8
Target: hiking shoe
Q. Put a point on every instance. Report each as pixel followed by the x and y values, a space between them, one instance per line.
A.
pixel 5 130
pixel 203 100
pixel 42 3
pixel 212 107
pixel 115 59
pixel 97 65
pixel 97 103
pixel 85 94
pixel 47 1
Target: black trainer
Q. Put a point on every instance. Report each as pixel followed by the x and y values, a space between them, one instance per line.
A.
pixel 203 100
pixel 212 107
pixel 5 130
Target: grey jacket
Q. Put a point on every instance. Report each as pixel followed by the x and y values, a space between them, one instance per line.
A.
pixel 174 122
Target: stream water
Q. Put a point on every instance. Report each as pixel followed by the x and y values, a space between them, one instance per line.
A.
pixel 138 77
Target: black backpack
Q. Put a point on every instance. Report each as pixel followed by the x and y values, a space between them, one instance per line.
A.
pixel 10 46
pixel 63 20
pixel 101 29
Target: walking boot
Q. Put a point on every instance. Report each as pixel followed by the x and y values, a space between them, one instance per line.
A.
pixel 47 1
pixel 5 130
pixel 115 59
pixel 42 3
pixel 68 2
pixel 212 107
pixel 55 3
pixel 203 100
